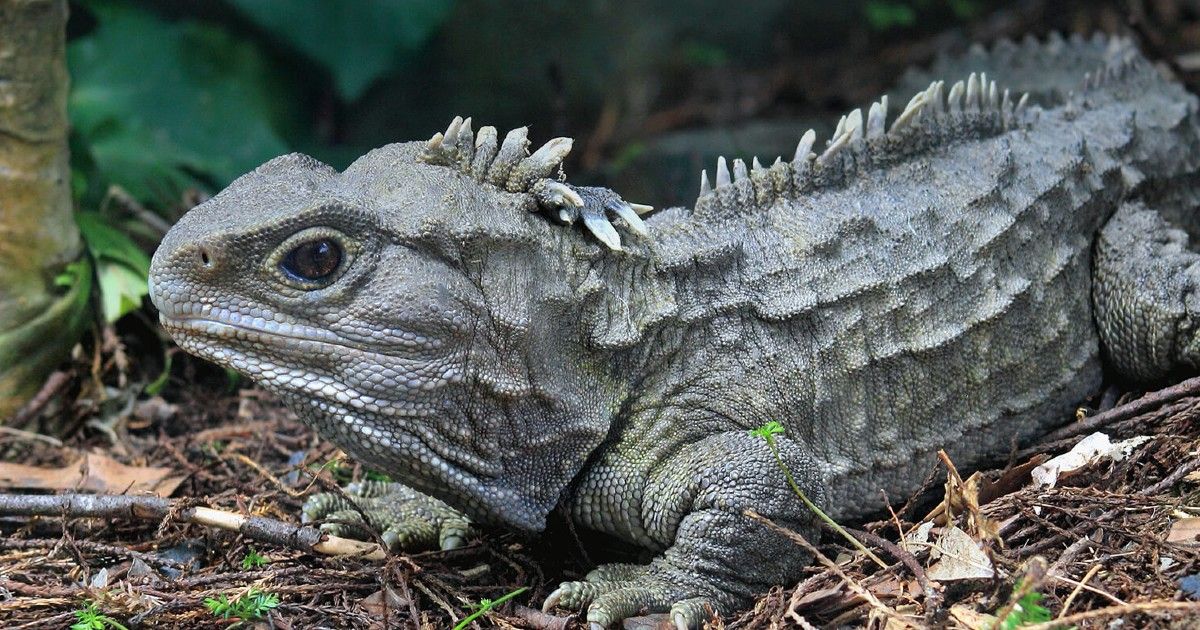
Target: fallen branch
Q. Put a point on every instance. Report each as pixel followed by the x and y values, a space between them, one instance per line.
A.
pixel 268 530
pixel 1149 402
pixel 1165 607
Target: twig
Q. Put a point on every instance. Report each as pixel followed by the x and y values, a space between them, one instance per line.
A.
pixel 54 384
pixel 1149 402
pixel 933 596
pixel 1078 587
pixel 830 564
pixel 304 538
pixel 295 494
pixel 93 547
pixel 32 436
pixel 1035 574
pixel 1118 611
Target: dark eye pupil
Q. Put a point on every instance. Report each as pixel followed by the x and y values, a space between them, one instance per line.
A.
pixel 313 260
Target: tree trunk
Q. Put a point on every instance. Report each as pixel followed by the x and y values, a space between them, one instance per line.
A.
pixel 42 308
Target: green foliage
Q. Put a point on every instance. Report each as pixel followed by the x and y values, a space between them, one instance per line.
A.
pixel 768 431
pixel 704 54
pixel 1027 611
pixel 121 266
pixel 357 45
pixel 251 606
pixel 485 605
pixel 156 104
pixel 90 618
pixel 885 14
pixel 254 560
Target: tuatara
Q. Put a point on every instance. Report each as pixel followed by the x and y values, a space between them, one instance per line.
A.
pixel 956 274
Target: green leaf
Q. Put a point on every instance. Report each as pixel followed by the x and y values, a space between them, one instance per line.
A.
pixel 357 42
pixel 106 242
pixel 121 267
pixel 121 289
pixel 157 104
pixel 885 14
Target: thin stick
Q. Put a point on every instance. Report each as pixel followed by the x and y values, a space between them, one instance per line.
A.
pixel 1078 587
pixel 303 537
pixel 1150 401
pixel 829 564
pixel 1118 611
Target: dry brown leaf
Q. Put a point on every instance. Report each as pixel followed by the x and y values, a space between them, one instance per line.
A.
pixel 384 602
pixel 1184 530
pixel 92 472
pixel 961 557
pixel 971 618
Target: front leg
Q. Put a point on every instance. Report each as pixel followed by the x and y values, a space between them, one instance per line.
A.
pixel 715 557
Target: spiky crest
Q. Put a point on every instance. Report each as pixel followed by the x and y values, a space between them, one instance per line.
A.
pixel 972 108
pixel 975 107
pixel 510 167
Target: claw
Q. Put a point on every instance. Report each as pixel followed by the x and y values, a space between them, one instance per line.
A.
pixel 631 218
pixel 641 208
pixel 452 542
pixel 593 625
pixel 603 230
pixel 559 194
pixel 552 600
pixel 680 622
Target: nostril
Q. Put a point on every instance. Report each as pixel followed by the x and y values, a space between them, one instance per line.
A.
pixel 204 259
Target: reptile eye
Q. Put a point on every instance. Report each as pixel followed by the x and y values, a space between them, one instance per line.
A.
pixel 313 260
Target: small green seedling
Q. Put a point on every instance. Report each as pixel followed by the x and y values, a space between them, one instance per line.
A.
pixel 254 560
pixel 767 433
pixel 252 606
pixel 90 618
pixel 1028 610
pixel 485 605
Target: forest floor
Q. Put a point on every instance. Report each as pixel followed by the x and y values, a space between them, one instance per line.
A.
pixel 1114 539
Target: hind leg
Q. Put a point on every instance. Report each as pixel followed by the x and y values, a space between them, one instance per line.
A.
pixel 1146 294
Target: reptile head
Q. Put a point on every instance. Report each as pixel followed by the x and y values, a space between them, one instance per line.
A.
pixel 389 306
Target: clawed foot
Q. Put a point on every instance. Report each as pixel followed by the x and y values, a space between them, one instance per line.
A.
pixel 614 592
pixel 407 519
pixel 594 206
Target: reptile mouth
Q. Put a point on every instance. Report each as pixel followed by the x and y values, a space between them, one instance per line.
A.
pixel 258 330
pixel 220 323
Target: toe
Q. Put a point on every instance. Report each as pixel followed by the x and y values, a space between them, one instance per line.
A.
pixel 692 613
pixel 320 505
pixel 577 595
pixel 612 607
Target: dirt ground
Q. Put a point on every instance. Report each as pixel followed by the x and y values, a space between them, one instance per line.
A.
pixel 1112 544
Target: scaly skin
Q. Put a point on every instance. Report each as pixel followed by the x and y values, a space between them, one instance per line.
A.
pixel 955 281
